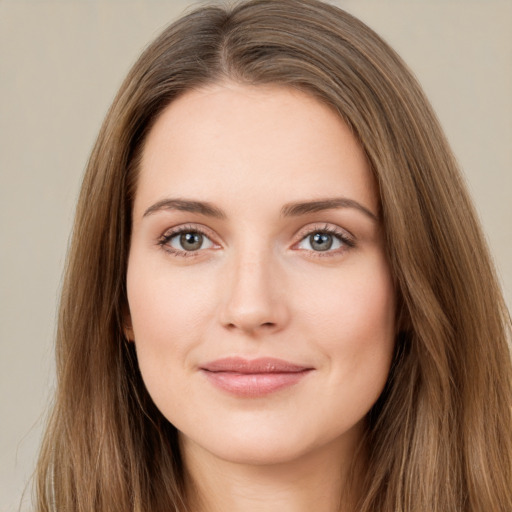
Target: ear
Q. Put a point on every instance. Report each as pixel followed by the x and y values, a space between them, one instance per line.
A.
pixel 127 325
pixel 128 330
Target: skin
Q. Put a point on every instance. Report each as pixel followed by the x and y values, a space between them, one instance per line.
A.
pixel 257 287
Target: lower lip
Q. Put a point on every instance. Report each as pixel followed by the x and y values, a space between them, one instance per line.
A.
pixel 252 385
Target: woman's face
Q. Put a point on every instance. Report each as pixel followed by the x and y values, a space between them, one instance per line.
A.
pixel 261 302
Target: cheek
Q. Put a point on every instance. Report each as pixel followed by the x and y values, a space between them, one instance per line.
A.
pixel 162 302
pixel 353 323
pixel 168 318
pixel 359 295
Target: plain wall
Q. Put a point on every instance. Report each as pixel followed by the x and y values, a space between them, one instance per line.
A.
pixel 61 63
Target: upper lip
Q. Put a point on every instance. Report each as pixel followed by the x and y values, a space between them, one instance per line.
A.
pixel 248 366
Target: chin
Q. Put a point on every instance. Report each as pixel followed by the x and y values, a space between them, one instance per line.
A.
pixel 263 453
pixel 265 446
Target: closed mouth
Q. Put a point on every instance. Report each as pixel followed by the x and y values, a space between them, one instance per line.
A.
pixel 253 378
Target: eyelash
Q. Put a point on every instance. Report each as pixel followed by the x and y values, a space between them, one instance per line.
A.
pixel 164 240
pixel 348 241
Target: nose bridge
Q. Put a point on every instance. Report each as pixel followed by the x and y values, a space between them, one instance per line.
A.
pixel 253 291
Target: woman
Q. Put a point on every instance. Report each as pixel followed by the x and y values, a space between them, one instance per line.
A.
pixel 278 295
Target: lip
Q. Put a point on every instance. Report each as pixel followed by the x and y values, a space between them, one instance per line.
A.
pixel 253 378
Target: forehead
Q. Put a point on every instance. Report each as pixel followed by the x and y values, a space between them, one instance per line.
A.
pixel 254 144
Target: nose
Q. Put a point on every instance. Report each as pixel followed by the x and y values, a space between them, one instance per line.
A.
pixel 255 300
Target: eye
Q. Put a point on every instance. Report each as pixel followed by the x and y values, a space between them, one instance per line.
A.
pixel 184 241
pixel 326 239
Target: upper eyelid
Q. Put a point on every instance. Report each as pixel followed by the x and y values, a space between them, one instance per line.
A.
pixel 165 238
pixel 323 226
pixel 183 228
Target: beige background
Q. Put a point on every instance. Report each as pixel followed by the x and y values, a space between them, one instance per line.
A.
pixel 60 65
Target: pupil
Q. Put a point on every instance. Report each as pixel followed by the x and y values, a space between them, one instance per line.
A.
pixel 191 241
pixel 321 241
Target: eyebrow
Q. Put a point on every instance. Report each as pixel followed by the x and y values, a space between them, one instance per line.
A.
pixel 305 207
pixel 186 205
pixel 294 209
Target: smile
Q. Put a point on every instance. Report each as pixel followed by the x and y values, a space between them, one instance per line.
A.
pixel 253 378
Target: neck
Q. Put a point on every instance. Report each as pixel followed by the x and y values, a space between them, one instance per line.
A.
pixel 324 480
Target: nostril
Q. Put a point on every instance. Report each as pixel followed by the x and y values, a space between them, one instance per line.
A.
pixel 266 325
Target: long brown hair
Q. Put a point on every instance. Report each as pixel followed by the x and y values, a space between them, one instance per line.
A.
pixel 439 438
